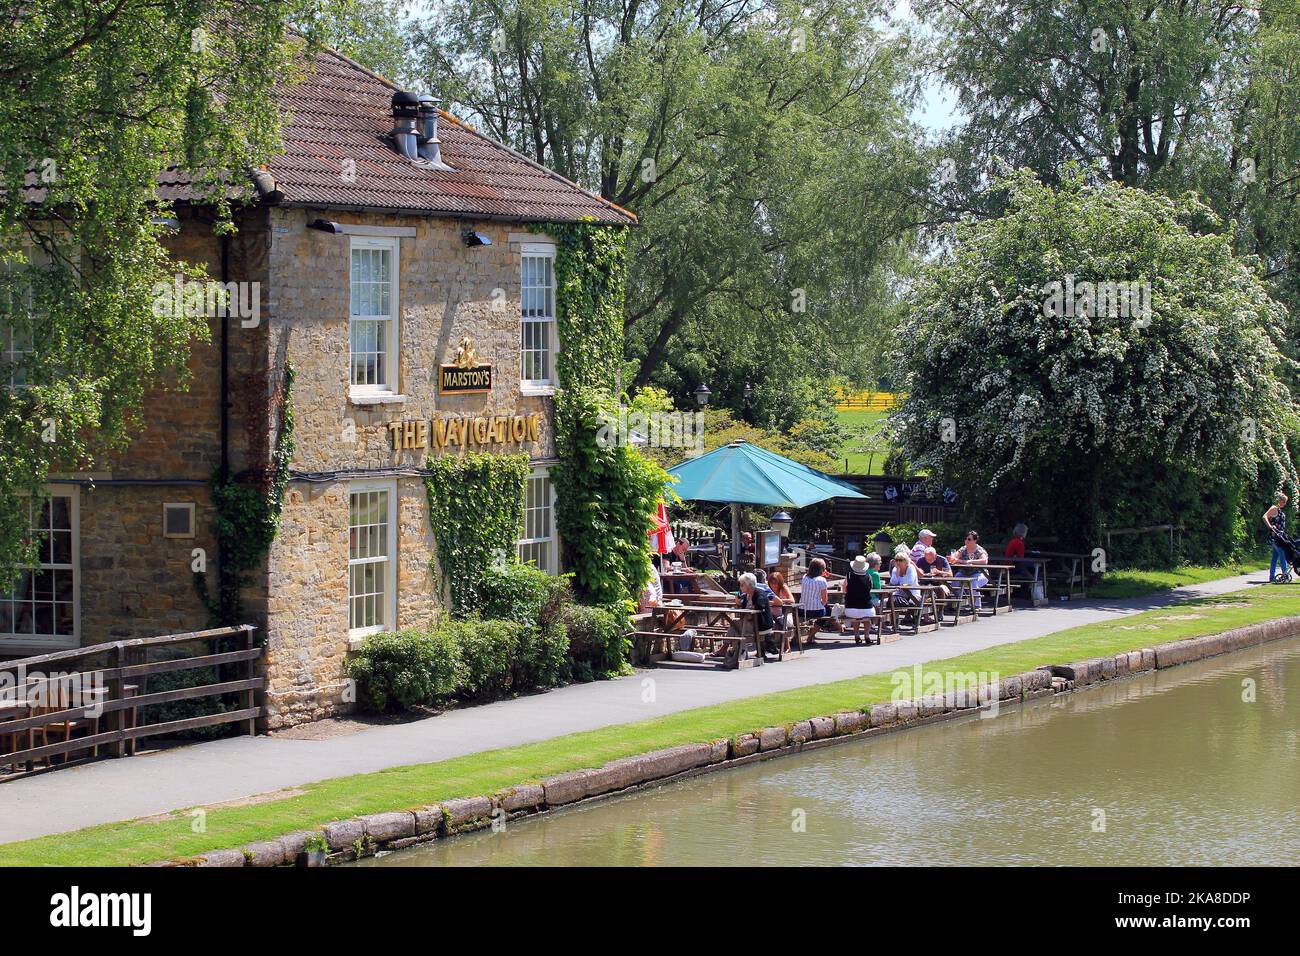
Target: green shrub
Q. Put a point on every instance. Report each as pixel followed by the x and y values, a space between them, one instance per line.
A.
pixel 404 670
pixel 487 651
pixel 948 536
pixel 597 638
pixel 533 599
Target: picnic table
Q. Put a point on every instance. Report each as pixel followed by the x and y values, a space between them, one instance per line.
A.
pixel 734 626
pixel 889 609
pixel 999 576
pixel 962 601
pixel 1075 577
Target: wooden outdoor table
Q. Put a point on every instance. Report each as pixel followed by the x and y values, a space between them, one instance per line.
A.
pixel 963 604
pixel 744 619
pixel 1038 566
pixel 929 605
pixel 1076 579
pixel 999 576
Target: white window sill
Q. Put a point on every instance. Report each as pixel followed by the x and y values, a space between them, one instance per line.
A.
pixel 376 398
pixel 529 388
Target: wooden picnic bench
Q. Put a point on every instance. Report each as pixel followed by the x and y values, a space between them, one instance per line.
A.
pixel 999 588
pixel 1071 573
pixel 713 624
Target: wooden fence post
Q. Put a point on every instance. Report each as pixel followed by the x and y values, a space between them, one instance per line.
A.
pixel 250 695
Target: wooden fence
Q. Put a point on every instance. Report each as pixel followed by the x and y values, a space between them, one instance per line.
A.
pixel 91 698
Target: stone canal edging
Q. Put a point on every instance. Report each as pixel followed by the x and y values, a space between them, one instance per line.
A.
pixel 346 840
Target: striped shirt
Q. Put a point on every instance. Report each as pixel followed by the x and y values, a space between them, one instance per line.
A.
pixel 812 593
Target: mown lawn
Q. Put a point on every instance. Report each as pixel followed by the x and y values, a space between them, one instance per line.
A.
pixel 862 462
pixel 1136 583
pixel 485 773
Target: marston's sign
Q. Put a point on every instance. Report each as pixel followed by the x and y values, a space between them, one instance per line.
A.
pixel 466 373
pixel 465 430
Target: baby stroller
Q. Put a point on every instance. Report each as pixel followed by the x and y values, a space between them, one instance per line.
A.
pixel 1292 551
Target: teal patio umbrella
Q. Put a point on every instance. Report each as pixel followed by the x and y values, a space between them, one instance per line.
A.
pixel 744 474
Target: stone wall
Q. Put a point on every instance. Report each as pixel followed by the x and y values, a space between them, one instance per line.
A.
pixel 134 581
pixel 446 291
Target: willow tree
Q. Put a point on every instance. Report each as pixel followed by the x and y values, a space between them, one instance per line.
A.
pixel 763 144
pixel 97 98
pixel 1098 357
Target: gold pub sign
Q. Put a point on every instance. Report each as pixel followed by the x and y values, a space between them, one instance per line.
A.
pixel 466 374
pixel 465 431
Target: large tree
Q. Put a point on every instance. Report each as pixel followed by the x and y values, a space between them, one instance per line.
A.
pixel 1099 357
pixel 1168 95
pixel 762 143
pixel 97 98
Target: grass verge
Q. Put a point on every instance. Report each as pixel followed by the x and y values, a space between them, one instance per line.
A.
pixel 1127 583
pixel 484 773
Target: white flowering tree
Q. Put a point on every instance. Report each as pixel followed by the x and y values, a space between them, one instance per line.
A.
pixel 1097 356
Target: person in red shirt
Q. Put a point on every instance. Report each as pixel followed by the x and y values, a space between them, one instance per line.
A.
pixel 1016 546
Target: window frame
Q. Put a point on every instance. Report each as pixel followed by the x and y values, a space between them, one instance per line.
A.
pixel 392 351
pixel 11 641
pixel 32 257
pixel 551 541
pixel 187 506
pixel 390 574
pixel 539 386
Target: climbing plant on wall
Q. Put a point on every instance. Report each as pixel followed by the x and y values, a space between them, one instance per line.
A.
pixel 590 272
pixel 476 511
pixel 247 519
pixel 605 492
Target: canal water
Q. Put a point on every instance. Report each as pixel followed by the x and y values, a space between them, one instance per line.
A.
pixel 1198 765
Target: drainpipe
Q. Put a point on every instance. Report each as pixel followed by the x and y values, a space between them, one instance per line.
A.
pixel 225 363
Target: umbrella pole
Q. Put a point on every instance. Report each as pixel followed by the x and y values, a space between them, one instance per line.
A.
pixel 735 536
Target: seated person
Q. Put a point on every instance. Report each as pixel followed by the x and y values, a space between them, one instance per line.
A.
pixel 755 598
pixel 813 590
pixel 923 540
pixel 1016 546
pixel 971 553
pixel 903 576
pixel 653 593
pixel 782 598
pixel 935 565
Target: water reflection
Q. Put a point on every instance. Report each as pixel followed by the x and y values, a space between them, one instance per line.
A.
pixel 1178 766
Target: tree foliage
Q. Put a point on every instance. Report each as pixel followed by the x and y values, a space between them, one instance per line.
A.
pixel 96 99
pixel 1070 418
pixel 762 143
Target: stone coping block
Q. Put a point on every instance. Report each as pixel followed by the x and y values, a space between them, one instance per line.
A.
pixel 266 853
pixel 567 787
pixel 343 834
pixel 882 715
pixel 850 722
pixel 822 727
pixel 672 760
pixel 801 732
pixel 466 811
pixel 295 843
pixel 222 858
pixel 745 745
pixel 931 705
pixel 428 819
pixel 772 738
pixel 523 798
pixel 907 710
pixel 396 825
pixel 1009 688
pixel 719 749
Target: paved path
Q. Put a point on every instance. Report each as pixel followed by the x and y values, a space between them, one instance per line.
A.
pixel 241 767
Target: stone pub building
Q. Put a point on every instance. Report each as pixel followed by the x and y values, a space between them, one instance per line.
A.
pixel 400 262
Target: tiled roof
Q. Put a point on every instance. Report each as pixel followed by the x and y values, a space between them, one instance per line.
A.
pixel 340 111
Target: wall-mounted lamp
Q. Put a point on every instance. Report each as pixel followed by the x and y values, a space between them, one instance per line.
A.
pixel 702 394
pixel 781 524
pixel 325 225
pixel 472 238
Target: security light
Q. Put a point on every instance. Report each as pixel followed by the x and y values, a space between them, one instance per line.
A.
pixel 473 238
pixel 325 225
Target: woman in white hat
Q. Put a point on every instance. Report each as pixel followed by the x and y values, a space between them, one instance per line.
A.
pixel 857 598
